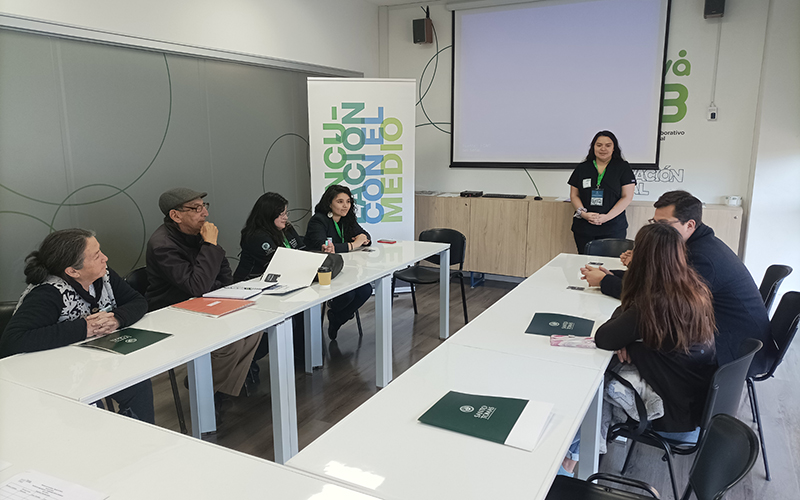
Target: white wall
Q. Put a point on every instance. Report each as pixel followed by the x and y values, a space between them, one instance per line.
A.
pixel 710 159
pixel 341 34
pixel 773 234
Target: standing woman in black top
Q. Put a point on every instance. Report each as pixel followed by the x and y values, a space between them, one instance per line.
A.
pixel 266 229
pixel 334 220
pixel 601 188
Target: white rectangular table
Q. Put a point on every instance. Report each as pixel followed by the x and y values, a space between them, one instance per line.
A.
pixel 375 265
pixel 127 459
pixel 383 448
pixel 87 375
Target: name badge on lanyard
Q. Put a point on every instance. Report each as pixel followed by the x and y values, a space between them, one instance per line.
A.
pixel 597 198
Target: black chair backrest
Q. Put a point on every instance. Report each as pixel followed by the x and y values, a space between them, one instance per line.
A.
pixel 784 325
pixel 6 311
pixel 727 452
pixel 608 247
pixel 772 281
pixel 458 244
pixel 137 279
pixel 725 391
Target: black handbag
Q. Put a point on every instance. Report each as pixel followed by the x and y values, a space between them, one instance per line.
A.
pixel 335 263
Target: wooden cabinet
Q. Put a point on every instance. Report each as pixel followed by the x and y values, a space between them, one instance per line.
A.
pixel 516 237
pixel 498 235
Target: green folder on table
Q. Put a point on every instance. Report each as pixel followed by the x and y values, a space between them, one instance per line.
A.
pixel 511 421
pixel 126 341
pixel 560 324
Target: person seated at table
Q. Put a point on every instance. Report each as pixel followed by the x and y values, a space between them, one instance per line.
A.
pixel 184 260
pixel 267 228
pixel 738 306
pixel 334 229
pixel 665 328
pixel 72 295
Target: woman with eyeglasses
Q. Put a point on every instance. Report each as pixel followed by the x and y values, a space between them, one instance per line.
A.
pixel 334 229
pixel 600 189
pixel 267 228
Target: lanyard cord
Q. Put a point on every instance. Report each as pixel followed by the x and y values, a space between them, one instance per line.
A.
pixel 600 175
pixel 339 231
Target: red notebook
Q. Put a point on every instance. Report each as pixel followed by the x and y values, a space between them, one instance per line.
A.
pixel 213 307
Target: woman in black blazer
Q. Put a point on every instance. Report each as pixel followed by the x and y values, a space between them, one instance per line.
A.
pixel 334 229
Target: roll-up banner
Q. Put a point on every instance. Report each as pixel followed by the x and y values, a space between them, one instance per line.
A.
pixel 361 135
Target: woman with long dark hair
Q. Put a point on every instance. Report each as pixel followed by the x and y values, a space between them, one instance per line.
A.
pixel 73 295
pixel 665 328
pixel 334 229
pixel 601 188
pixel 266 229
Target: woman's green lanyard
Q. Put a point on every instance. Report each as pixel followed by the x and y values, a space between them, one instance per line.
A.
pixel 600 175
pixel 286 242
pixel 339 231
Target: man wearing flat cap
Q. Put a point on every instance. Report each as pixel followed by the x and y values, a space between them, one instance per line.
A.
pixel 185 261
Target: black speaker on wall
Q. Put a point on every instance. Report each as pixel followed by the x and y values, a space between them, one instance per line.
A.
pixel 423 30
pixel 714 8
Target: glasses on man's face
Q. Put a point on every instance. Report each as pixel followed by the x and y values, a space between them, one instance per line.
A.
pixel 197 208
pixel 663 221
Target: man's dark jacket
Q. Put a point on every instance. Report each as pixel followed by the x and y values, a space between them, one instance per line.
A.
pixel 181 266
pixel 738 306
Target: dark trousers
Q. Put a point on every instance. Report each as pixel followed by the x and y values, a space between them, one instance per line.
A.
pixel 344 306
pixel 137 401
pixel 581 239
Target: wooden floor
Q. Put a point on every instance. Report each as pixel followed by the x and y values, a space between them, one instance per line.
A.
pixel 347 379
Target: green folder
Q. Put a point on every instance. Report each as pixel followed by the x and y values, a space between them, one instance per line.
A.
pixel 485 417
pixel 560 324
pixel 126 341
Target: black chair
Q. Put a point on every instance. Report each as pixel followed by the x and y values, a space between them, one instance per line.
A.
pixel 772 281
pixel 726 454
pixel 724 396
pixel 137 279
pixel 421 275
pixel 358 319
pixel 784 326
pixel 6 311
pixel 608 247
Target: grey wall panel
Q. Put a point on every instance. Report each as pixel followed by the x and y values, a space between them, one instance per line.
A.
pixel 91 135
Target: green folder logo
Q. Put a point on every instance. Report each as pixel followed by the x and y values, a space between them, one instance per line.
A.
pixel 467 409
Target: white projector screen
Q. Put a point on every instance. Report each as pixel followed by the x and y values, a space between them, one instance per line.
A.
pixel 533 83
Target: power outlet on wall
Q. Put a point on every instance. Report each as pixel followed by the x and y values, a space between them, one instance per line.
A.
pixel 712 113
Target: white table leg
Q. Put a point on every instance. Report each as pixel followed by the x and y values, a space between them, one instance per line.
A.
pixel 284 404
pixel 444 294
pixel 313 333
pixel 590 436
pixel 383 331
pixel 201 395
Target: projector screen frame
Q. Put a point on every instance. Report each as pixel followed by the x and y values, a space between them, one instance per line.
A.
pixel 554 165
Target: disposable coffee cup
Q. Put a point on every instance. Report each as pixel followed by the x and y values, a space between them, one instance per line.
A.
pixel 324 276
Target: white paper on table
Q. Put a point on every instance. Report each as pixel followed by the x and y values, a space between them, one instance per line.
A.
pixel 4 465
pixel 34 485
pixel 294 267
pixel 530 425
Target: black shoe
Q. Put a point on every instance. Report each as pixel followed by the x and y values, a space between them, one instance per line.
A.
pixel 253 374
pixel 333 325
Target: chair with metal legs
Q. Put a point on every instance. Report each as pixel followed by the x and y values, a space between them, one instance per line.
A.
pixel 421 275
pixel 726 453
pixel 784 325
pixel 137 279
